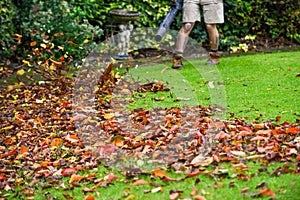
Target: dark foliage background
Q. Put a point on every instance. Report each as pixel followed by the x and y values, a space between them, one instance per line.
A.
pixel 38 30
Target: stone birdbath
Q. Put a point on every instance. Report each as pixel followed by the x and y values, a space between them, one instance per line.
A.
pixel 122 19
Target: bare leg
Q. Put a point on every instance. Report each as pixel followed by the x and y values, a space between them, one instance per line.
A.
pixel 213 35
pixel 182 36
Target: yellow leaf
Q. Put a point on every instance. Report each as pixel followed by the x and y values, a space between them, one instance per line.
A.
pixel 86 41
pixel 17 35
pixel 60 47
pixel 108 116
pixel 26 62
pixel 51 68
pixel 10 87
pixel 20 72
pixel 44 46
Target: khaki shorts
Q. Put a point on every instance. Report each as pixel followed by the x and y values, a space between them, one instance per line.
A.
pixel 213 11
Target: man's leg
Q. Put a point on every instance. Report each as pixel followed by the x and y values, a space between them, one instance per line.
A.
pixel 213 35
pixel 181 41
pixel 213 15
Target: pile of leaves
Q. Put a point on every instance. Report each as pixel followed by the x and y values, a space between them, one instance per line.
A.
pixel 39 138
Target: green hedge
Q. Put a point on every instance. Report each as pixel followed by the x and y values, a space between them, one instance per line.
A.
pixel 74 27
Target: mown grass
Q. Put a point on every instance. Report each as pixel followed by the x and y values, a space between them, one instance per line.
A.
pixel 254 87
pixel 227 187
pixel 257 88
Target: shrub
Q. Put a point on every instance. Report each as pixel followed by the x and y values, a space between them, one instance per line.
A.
pixel 58 24
pixel 7 28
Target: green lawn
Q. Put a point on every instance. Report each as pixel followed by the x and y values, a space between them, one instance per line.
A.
pixel 254 87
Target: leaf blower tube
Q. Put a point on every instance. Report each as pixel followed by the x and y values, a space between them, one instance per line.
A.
pixel 175 6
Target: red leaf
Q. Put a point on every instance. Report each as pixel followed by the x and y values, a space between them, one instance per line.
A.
pixel 89 197
pixel 266 192
pixel 110 177
pixel 68 171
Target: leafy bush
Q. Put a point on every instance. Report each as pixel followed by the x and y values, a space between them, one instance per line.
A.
pixel 7 28
pixel 37 30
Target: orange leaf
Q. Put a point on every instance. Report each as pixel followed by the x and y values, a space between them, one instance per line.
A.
pixel 24 149
pixel 56 142
pixel 159 173
pixel 118 143
pixel 32 44
pixel 267 192
pixel 55 117
pixel 72 138
pixel 199 197
pixel 89 197
pixel 56 163
pixel 293 131
pixel 45 164
pixel 56 63
pixel 140 182
pixel 75 177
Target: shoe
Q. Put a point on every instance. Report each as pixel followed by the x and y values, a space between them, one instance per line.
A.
pixel 214 58
pixel 177 61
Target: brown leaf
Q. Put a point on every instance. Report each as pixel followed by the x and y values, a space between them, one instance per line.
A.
pixel 193 174
pixel 79 117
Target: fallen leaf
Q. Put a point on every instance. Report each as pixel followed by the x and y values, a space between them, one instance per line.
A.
pixel 72 138
pixel 159 173
pixel 20 72
pixel 238 153
pixel 199 197
pixel 139 182
pixel 175 194
pixel 75 177
pixel 89 197
pixel 68 171
pixel 110 177
pixel 193 174
pixel 266 192
pixel 157 189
